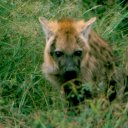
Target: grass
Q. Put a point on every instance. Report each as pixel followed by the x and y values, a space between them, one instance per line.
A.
pixel 27 100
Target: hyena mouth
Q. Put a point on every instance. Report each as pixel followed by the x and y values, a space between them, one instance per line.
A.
pixel 69 75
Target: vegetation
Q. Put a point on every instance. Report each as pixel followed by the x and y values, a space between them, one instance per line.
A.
pixel 27 100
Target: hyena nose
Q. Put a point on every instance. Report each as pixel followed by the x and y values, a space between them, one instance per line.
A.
pixel 71 74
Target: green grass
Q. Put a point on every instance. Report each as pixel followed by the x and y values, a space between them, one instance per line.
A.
pixel 27 100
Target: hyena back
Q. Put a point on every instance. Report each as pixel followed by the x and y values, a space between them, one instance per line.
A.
pixel 73 50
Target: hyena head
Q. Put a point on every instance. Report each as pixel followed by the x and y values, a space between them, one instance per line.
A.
pixel 66 46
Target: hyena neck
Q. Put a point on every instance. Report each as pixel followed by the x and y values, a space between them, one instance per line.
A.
pixel 99 47
pixel 98 60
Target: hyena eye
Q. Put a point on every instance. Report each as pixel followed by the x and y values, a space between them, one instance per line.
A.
pixel 78 53
pixel 58 53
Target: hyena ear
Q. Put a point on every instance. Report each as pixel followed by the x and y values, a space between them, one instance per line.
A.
pixel 86 27
pixel 47 26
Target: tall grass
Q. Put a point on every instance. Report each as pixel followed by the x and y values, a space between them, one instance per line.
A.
pixel 27 100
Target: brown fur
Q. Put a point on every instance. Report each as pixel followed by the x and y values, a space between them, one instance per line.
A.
pixel 68 36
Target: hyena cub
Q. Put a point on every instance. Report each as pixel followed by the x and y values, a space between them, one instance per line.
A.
pixel 73 50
